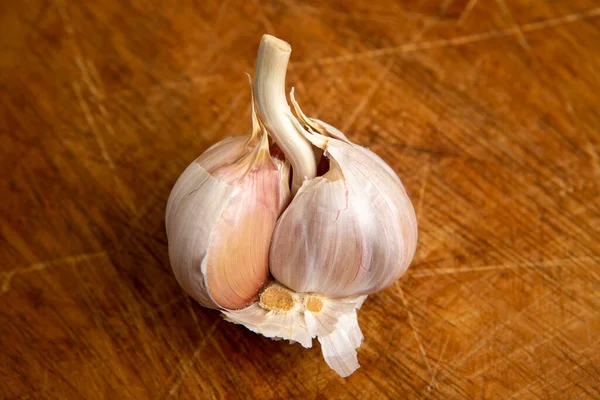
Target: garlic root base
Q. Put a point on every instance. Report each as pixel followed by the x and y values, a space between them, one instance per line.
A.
pixel 282 313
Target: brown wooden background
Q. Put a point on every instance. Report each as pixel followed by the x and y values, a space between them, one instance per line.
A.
pixel 488 110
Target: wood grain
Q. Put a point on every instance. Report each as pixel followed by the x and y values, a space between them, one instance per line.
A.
pixel 488 111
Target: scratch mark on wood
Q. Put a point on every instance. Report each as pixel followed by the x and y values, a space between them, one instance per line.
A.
pixel 530 348
pixel 559 366
pixel 467 10
pixel 368 96
pixel 224 117
pixel 221 12
pixel 82 65
pixel 445 5
pixel 45 382
pixel 525 264
pixel 218 348
pixel 589 360
pixel 388 15
pixel 486 339
pixel 588 330
pixel 422 189
pixel 325 99
pixel 430 23
pixel 154 311
pixel 192 313
pixel 173 84
pixel 566 19
pixel 85 66
pixel 427 25
pixel 411 322
pixel 482 342
pixel 582 395
pixel 432 383
pixel 106 119
pixel 505 10
pixel 456 41
pixel 86 76
pixel 91 67
pixel 121 188
pixel 92 124
pixel 186 368
pixel 474 71
pixel 104 338
pixel 263 18
pixel 80 60
pixel 589 147
pixel 44 265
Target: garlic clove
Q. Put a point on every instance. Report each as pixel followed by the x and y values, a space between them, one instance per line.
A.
pixel 220 216
pixel 350 232
pixel 237 265
pixel 190 218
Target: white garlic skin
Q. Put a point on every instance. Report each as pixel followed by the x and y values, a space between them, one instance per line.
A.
pixel 219 221
pixel 333 322
pixel 350 232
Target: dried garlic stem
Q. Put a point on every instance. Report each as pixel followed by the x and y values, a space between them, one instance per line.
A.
pixel 274 111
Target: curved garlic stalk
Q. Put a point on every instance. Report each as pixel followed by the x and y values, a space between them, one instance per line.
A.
pixel 269 92
pixel 346 234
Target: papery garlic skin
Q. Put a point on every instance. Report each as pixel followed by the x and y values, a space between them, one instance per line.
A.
pixel 333 322
pixel 350 232
pixel 220 217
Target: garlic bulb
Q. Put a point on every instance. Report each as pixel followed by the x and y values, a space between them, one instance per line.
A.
pixel 290 258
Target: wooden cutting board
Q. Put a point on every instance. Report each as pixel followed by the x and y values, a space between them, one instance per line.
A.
pixel 487 110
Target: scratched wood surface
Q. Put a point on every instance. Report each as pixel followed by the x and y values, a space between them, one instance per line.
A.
pixel 488 111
